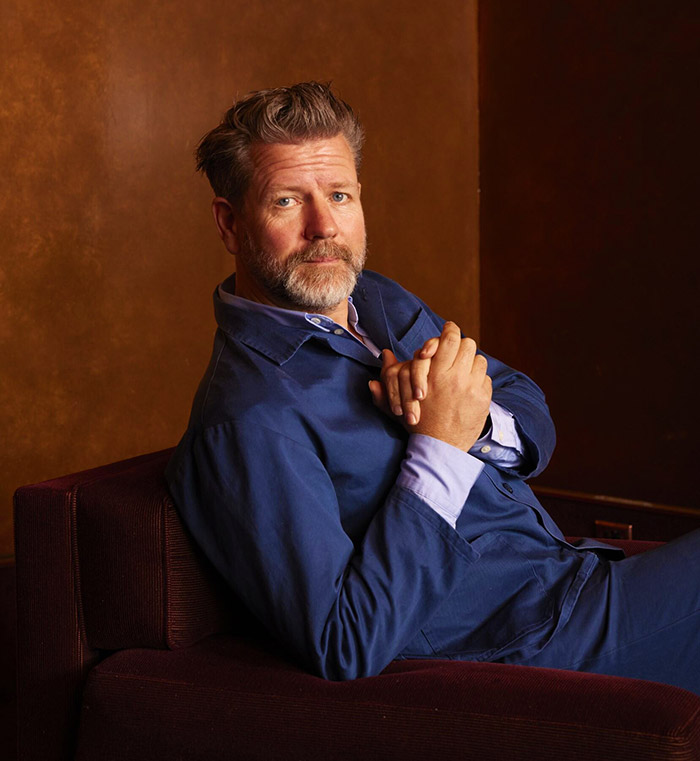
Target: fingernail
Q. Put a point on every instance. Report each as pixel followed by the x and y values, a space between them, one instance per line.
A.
pixel 397 410
pixel 411 418
pixel 419 393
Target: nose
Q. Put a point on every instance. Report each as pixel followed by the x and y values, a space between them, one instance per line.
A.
pixel 319 222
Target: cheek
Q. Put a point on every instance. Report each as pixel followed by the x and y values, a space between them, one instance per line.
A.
pixel 280 238
pixel 359 230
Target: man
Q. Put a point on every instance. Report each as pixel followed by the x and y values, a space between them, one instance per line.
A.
pixel 354 468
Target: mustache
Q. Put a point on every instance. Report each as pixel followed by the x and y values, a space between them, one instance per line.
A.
pixel 321 249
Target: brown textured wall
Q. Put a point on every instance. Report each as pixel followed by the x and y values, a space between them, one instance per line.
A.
pixel 590 230
pixel 109 256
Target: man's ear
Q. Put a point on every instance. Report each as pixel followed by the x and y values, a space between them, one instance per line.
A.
pixel 228 223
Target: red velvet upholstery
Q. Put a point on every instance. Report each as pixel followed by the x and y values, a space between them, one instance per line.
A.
pixel 131 648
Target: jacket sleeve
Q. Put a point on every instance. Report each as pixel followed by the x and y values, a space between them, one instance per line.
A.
pixel 265 511
pixel 524 399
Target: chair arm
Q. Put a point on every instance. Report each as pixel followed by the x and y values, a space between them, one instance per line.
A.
pixel 53 657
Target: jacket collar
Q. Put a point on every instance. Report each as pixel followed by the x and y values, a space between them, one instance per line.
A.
pixel 280 343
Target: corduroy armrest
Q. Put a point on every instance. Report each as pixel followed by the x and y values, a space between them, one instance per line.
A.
pixel 143 581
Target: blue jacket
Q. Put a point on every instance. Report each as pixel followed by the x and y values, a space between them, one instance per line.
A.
pixel 286 478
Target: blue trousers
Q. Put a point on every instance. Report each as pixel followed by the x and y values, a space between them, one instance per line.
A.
pixel 637 617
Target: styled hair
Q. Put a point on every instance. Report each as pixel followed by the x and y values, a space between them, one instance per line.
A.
pixel 305 111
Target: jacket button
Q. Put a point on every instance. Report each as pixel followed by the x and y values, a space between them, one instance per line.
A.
pixel 507 487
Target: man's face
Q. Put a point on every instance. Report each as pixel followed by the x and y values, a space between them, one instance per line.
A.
pixel 301 234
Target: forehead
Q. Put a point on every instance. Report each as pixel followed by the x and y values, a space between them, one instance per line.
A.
pixel 280 165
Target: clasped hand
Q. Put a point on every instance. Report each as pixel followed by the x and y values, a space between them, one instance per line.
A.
pixel 443 392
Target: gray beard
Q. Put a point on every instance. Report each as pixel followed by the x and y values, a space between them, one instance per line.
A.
pixel 308 288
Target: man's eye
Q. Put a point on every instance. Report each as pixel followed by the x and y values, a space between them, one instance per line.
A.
pixel 284 202
pixel 339 197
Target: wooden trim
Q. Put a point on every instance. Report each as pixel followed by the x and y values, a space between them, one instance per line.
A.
pixel 604 500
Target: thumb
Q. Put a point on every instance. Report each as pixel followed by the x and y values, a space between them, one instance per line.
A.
pixel 376 389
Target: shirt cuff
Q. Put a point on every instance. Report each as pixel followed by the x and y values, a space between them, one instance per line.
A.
pixel 501 446
pixel 440 474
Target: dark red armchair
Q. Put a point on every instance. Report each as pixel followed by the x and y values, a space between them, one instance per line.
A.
pixel 130 647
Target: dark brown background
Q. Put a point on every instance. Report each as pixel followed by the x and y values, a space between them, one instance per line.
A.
pixel 589 229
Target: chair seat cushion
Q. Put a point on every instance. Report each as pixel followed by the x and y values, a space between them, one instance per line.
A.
pixel 227 697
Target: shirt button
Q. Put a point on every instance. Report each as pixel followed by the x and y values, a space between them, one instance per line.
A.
pixel 486 449
pixel 507 487
pixel 339 331
pixel 316 320
pixel 500 436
